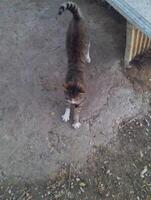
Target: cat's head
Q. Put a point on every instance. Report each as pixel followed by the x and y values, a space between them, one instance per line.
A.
pixel 74 92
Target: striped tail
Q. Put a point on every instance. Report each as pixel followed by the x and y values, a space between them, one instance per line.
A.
pixel 73 8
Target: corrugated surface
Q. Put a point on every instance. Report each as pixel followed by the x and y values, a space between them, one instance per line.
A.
pixel 140 43
pixel 136 43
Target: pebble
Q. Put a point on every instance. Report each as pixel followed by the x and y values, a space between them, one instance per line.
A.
pixel 143 172
pixel 82 190
pixel 77 179
pixel 141 154
pixel 118 178
pixel 82 184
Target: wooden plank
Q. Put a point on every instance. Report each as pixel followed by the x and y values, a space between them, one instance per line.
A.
pixel 140 42
pixel 130 36
pixel 136 43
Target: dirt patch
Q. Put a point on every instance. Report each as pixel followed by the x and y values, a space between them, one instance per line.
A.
pixel 119 170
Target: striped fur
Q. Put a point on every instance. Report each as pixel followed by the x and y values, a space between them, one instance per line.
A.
pixel 77 46
pixel 72 7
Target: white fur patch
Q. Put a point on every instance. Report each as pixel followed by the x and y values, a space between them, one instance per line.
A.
pixel 76 125
pixel 88 59
pixel 66 115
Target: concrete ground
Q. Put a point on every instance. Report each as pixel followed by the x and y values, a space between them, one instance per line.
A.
pixel 34 142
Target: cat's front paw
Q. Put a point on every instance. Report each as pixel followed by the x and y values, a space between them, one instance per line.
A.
pixel 65 117
pixel 76 125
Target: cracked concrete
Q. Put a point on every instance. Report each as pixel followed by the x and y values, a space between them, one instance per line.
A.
pixel 34 142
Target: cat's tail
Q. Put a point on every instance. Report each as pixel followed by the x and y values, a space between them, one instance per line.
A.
pixel 73 8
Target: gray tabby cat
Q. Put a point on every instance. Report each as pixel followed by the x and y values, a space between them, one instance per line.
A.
pixel 77 46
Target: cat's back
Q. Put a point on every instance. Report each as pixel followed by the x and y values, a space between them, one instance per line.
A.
pixel 77 40
pixel 77 29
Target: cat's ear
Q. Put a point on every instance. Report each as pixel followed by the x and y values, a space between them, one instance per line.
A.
pixel 81 88
pixel 65 85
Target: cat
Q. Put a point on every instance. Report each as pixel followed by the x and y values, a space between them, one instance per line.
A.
pixel 77 47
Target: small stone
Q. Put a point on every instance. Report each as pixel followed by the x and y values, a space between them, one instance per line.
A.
pixel 27 194
pixel 109 172
pixel 118 178
pixel 82 190
pixel 77 179
pixel 143 172
pixel 82 184
pixel 141 154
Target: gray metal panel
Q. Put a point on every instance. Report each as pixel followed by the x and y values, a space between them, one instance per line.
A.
pixel 137 12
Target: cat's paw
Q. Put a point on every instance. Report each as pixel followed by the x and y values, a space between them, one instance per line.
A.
pixel 65 117
pixel 76 125
pixel 88 60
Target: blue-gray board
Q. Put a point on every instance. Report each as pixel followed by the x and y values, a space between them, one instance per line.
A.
pixel 137 12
